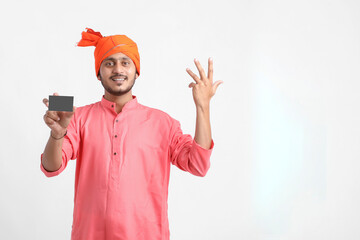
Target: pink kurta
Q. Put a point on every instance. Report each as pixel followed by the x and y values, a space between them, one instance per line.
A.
pixel 122 169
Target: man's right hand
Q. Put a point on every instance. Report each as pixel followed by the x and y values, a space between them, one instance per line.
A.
pixel 57 121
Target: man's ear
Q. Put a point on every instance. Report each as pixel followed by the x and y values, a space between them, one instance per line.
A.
pixel 98 77
pixel 136 75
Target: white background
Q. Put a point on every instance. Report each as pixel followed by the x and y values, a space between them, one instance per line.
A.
pixel 285 122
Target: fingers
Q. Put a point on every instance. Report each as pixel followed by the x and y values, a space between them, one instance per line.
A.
pixel 46 102
pixel 203 78
pixel 210 69
pixel 49 120
pixel 57 119
pixel 191 85
pixel 200 69
pixel 193 75
pixel 52 115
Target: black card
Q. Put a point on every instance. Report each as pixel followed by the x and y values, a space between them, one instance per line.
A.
pixel 61 103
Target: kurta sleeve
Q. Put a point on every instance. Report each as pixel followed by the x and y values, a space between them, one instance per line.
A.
pixel 69 148
pixel 186 154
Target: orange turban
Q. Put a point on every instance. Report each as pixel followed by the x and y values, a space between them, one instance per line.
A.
pixel 106 46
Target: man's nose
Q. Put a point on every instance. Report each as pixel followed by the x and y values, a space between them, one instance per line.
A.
pixel 118 68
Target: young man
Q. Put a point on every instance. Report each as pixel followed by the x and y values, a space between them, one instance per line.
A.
pixel 124 149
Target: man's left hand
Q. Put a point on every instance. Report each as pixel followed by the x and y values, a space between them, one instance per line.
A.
pixel 203 88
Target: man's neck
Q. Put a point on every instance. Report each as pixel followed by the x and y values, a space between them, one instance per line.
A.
pixel 119 101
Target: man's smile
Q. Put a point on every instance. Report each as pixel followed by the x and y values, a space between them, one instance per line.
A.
pixel 118 79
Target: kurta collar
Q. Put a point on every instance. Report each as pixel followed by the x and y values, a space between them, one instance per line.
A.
pixel 133 103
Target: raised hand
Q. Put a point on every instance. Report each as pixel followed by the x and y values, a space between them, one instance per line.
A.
pixel 57 121
pixel 203 88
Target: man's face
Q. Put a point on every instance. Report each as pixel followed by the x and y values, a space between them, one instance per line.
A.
pixel 117 74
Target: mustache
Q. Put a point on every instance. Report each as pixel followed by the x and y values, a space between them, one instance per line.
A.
pixel 119 75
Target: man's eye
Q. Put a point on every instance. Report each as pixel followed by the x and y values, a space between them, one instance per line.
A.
pixel 126 63
pixel 109 64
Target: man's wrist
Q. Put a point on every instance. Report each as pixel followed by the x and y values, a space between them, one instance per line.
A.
pixel 203 107
pixel 58 136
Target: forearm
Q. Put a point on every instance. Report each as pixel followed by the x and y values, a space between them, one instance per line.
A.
pixel 52 157
pixel 203 128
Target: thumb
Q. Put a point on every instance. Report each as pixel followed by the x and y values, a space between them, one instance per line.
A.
pixel 216 85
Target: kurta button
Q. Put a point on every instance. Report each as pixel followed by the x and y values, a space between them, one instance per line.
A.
pixel 114 153
pixel 112 105
pixel 117 120
pixel 116 136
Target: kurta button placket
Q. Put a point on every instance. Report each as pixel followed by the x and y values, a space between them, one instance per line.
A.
pixel 116 149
